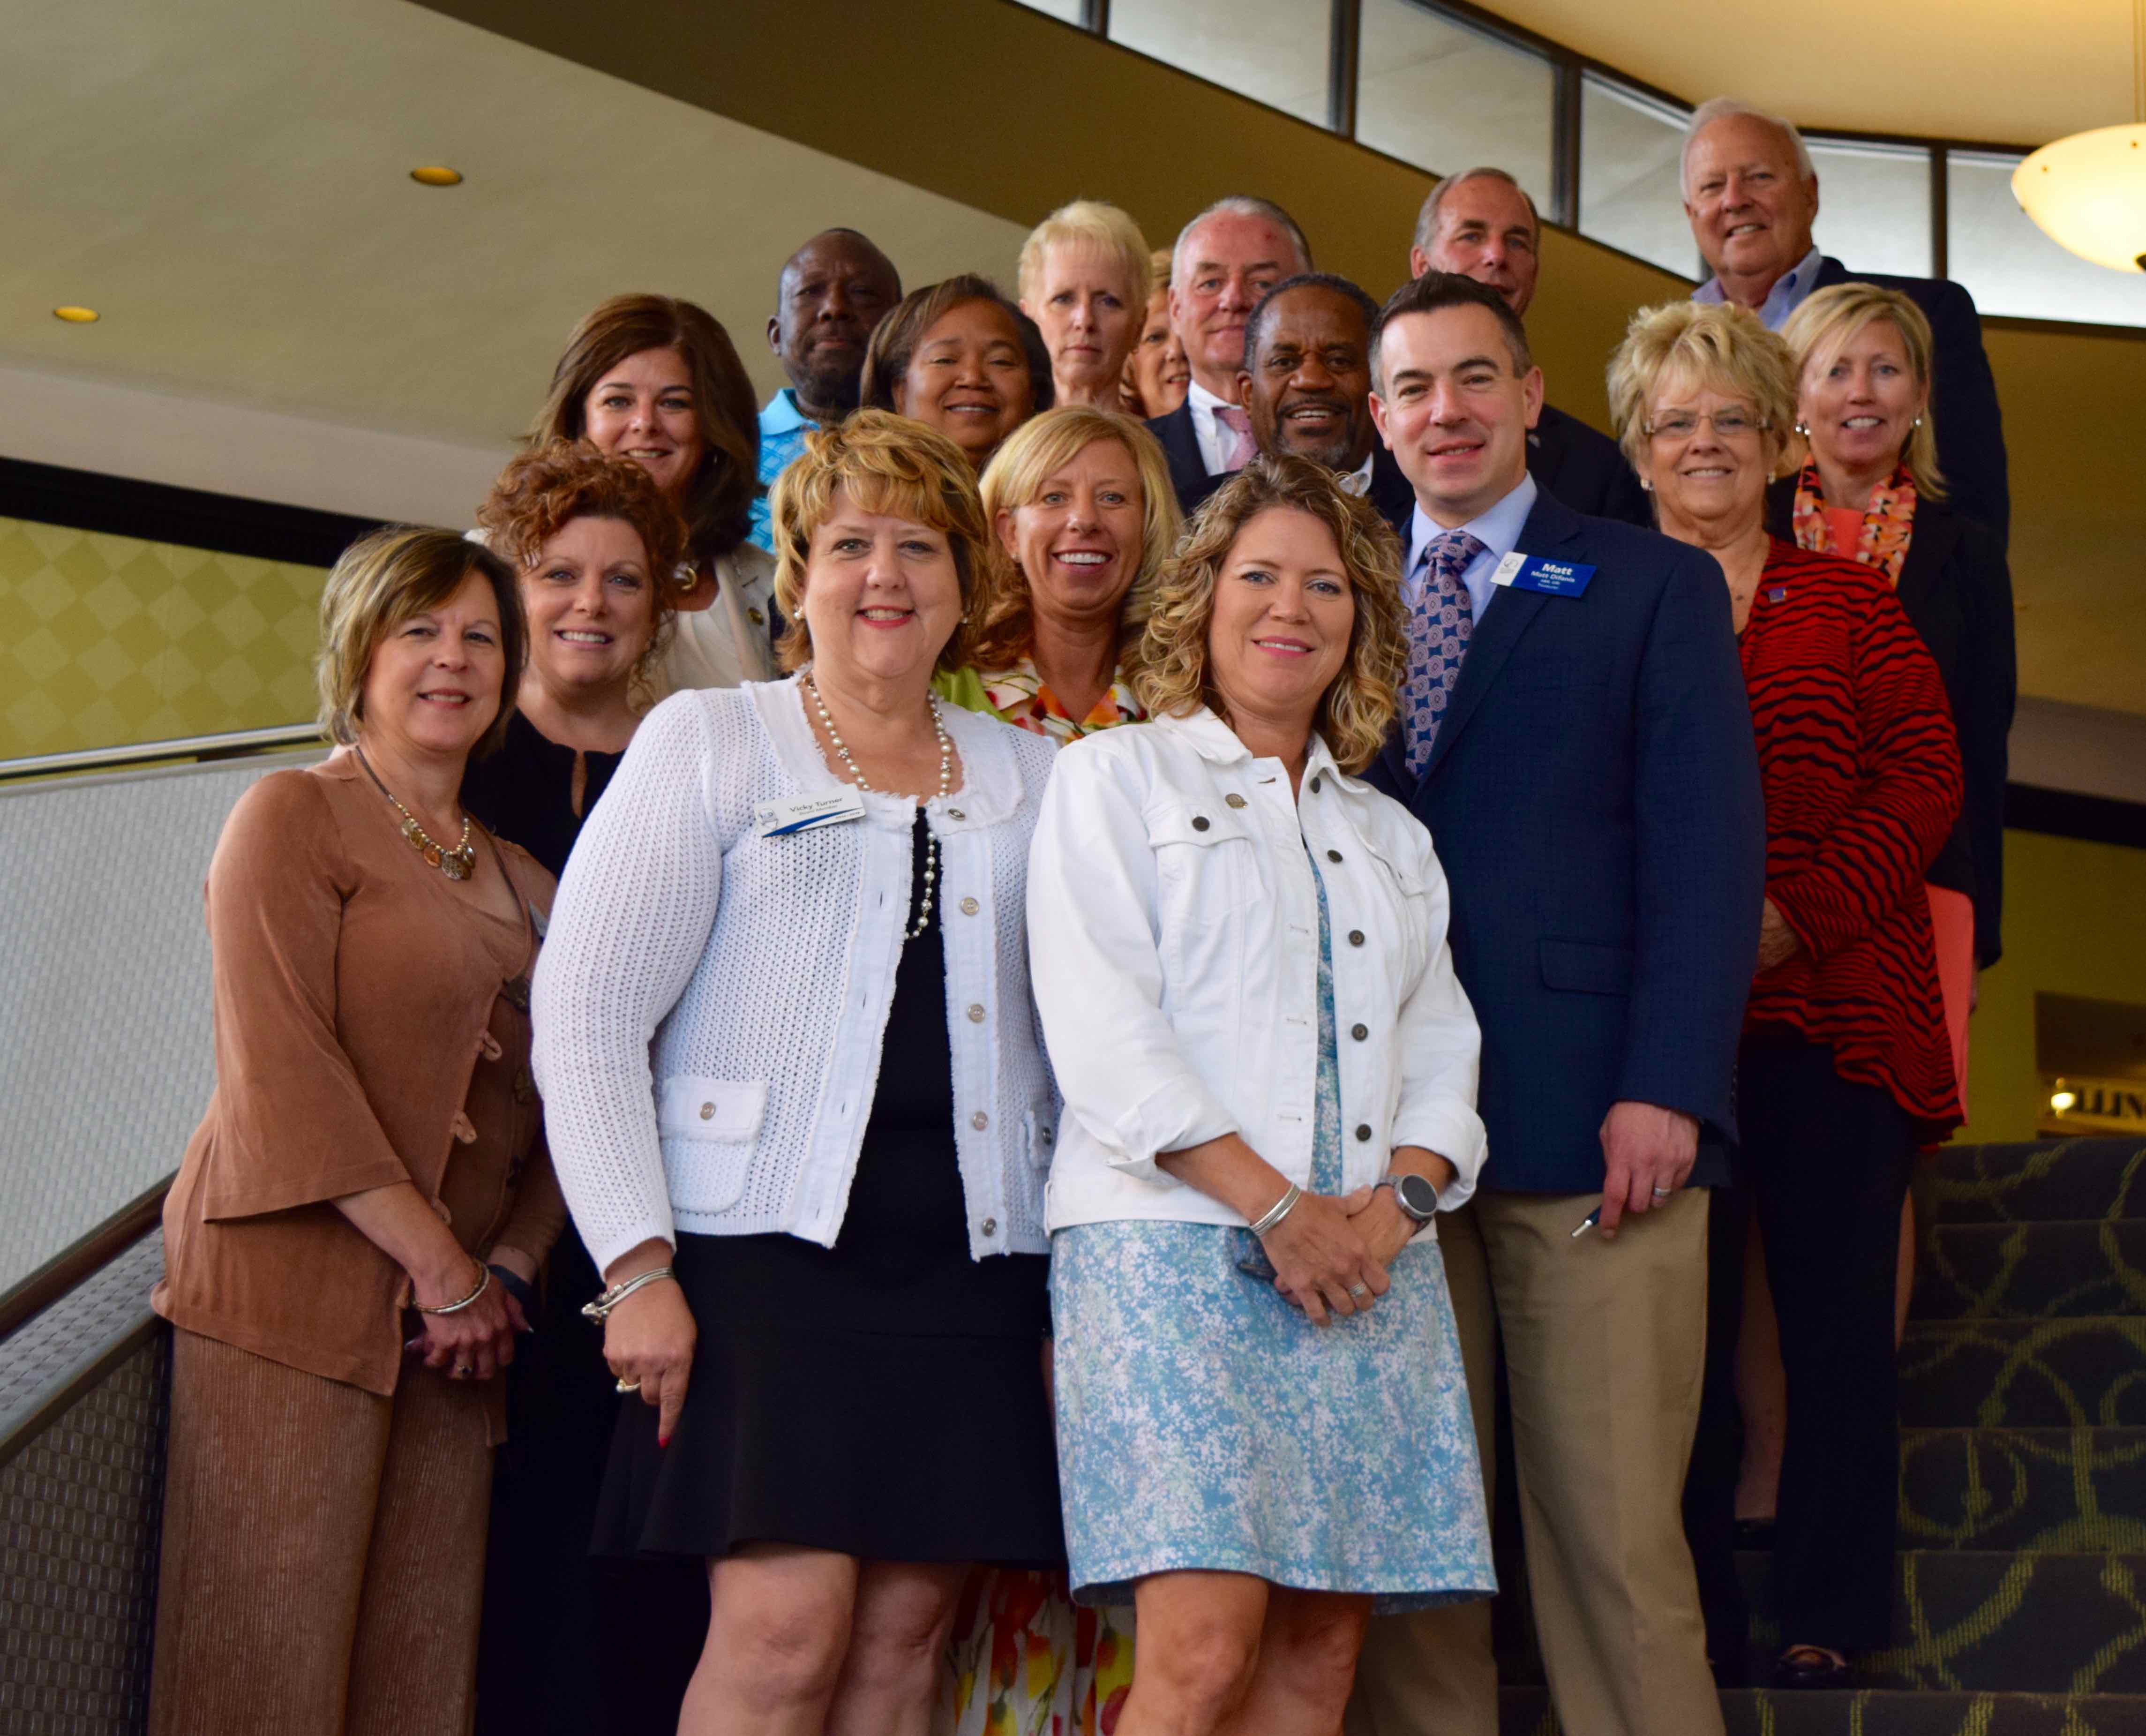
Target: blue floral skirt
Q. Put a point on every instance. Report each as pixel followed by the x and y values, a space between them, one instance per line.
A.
pixel 1205 1423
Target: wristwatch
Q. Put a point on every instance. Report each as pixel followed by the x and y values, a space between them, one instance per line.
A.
pixel 1416 1195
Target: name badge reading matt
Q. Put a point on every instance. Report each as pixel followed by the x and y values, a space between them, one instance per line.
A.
pixel 788 814
pixel 1532 572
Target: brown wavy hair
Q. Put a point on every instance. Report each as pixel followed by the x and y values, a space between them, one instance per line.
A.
pixel 542 491
pixel 718 504
pixel 884 463
pixel 1006 606
pixel 1171 673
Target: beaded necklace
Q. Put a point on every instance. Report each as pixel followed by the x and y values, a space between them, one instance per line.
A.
pixel 945 784
pixel 455 863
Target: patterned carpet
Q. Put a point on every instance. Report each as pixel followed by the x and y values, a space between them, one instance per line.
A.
pixel 2020 1598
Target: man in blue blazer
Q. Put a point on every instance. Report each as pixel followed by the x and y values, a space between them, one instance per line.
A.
pixel 1750 193
pixel 1576 736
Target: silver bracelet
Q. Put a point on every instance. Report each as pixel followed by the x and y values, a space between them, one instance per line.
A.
pixel 1279 1209
pixel 603 1304
pixel 483 1284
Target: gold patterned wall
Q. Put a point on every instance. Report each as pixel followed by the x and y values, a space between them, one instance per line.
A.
pixel 111 640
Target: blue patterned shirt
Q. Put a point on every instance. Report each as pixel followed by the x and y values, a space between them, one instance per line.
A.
pixel 782 430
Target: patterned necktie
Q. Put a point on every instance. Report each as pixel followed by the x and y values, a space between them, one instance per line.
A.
pixel 1240 451
pixel 1438 640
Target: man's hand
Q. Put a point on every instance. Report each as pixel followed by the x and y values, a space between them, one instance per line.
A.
pixel 1648 1152
pixel 1777 941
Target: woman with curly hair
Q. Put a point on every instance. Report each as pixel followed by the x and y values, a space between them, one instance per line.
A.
pixel 1239 962
pixel 593 541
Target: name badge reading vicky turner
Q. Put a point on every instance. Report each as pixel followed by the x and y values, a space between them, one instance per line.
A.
pixel 788 813
pixel 1532 572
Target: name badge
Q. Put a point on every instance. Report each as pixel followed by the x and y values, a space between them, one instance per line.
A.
pixel 1532 572
pixel 788 813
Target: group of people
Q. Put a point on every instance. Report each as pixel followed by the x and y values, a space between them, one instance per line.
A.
pixel 923 1048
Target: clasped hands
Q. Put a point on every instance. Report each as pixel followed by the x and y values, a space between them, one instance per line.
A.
pixel 1331 1252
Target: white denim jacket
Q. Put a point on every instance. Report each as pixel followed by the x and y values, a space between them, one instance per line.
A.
pixel 1173 931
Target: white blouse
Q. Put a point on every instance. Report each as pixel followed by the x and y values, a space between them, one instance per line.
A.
pixel 727 643
pixel 762 968
pixel 1174 933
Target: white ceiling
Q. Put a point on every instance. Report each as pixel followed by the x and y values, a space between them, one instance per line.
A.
pixel 228 182
pixel 1997 70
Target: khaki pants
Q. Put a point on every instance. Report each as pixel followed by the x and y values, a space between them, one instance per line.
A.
pixel 1605 1344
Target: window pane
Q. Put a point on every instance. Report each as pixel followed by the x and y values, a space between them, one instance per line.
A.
pixel 1631 150
pixel 1874 207
pixel 1445 97
pixel 2010 267
pixel 1275 52
pixel 1069 10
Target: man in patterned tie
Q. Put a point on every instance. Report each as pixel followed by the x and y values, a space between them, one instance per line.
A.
pixel 1225 259
pixel 1575 736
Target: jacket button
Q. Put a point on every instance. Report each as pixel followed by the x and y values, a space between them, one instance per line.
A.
pixel 991 1227
pixel 1200 822
pixel 970 907
pixel 976 1012
pixel 956 814
pixel 1315 785
pixel 979 1120
pixel 1360 1031
pixel 1355 937
pixel 1234 800
pixel 1364 1131
pixel 525 1086
pixel 463 1129
pixel 707 1112
pixel 1048 1135
pixel 1333 855
pixel 756 617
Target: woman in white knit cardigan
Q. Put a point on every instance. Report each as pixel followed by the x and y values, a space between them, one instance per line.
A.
pixel 817 1198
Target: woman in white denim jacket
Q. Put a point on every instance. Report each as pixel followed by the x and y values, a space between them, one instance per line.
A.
pixel 1270 1074
pixel 819 1219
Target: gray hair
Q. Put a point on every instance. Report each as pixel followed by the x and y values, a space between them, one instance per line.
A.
pixel 1723 108
pixel 1426 220
pixel 1243 205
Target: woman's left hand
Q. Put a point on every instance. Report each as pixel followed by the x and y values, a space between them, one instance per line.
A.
pixel 1777 941
pixel 1321 1261
pixel 1386 1228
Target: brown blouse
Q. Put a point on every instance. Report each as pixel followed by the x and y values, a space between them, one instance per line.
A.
pixel 372 1027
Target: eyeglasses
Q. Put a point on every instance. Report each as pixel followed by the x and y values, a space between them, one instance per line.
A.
pixel 1727 424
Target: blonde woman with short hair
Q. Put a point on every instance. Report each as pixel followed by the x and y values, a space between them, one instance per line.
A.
pixel 1269 1071
pixel 1084 277
pixel 1082 518
pixel 816 1196
pixel 369 1171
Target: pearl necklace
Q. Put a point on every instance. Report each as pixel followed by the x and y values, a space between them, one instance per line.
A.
pixel 456 863
pixel 945 786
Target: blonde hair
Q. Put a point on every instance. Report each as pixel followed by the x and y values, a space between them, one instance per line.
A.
pixel 885 464
pixel 1171 673
pixel 1089 223
pixel 1035 451
pixel 1717 344
pixel 379 582
pixel 1818 331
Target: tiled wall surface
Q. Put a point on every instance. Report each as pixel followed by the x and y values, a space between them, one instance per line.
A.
pixel 110 640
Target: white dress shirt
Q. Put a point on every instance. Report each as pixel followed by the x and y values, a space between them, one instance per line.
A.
pixel 1215 440
pixel 1358 482
pixel 1174 942
pixel 1498 530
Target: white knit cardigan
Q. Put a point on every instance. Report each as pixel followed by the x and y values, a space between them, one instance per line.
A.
pixel 762 968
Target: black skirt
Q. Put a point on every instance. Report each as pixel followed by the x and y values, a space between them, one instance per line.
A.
pixel 883 1398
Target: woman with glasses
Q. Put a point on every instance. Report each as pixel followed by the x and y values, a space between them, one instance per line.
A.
pixel 1846 1066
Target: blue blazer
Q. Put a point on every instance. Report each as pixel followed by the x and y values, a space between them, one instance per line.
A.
pixel 1594 797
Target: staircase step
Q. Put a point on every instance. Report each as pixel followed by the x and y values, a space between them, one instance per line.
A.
pixel 1747 1712
pixel 2048 1180
pixel 1998 1621
pixel 2063 1489
pixel 2032 1271
pixel 2053 1374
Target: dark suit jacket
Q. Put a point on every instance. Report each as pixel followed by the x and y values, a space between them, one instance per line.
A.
pixel 1390 491
pixel 1594 797
pixel 1180 446
pixel 1957 591
pixel 1584 469
pixel 1963 392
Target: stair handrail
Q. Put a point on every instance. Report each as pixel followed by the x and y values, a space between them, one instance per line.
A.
pixel 83 1258
pixel 226 745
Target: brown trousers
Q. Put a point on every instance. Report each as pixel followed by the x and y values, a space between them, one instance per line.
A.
pixel 323 1559
pixel 1605 1344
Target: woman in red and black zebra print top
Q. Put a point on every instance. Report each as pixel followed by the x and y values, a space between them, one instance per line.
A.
pixel 1846 1064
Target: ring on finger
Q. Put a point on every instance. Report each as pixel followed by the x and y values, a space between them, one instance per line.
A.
pixel 1357 1292
pixel 629 1386
pixel 1663 1192
pixel 461 1371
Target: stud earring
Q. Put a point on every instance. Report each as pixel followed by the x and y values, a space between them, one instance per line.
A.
pixel 1804 429
pixel 1917 423
pixel 1646 485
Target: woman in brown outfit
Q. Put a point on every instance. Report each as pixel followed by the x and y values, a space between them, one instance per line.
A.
pixel 369 1177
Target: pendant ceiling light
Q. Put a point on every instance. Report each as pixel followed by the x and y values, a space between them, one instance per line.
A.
pixel 2088 192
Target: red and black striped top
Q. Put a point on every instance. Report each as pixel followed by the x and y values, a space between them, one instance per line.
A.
pixel 1861 773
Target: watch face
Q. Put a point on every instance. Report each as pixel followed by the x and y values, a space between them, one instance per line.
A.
pixel 1419 1198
